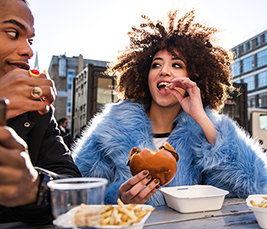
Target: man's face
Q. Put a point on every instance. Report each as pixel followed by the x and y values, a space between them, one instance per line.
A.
pixel 16 33
pixel 65 124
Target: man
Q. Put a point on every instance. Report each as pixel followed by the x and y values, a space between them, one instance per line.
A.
pixel 63 124
pixel 23 192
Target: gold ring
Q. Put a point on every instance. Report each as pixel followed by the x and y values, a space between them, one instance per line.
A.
pixel 36 92
pixel 34 73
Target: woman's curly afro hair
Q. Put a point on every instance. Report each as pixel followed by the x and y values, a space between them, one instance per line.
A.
pixel 207 65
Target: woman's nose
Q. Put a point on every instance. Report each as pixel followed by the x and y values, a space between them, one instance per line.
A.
pixel 165 71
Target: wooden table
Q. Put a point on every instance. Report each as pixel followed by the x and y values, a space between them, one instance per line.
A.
pixel 234 214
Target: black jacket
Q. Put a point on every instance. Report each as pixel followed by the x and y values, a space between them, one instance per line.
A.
pixel 47 150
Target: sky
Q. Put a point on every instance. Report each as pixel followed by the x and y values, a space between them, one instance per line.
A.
pixel 97 29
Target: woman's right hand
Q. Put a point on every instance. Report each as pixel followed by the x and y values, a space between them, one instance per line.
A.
pixel 192 105
pixel 139 188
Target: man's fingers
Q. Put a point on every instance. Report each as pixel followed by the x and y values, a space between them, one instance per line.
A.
pixel 10 139
pixel 9 175
pixel 31 105
pixel 44 111
pixel 53 87
pixel 45 92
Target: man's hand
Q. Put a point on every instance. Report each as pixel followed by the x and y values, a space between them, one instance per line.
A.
pixel 19 180
pixel 17 85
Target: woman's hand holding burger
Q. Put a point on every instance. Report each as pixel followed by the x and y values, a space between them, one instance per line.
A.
pixel 150 169
pixel 139 188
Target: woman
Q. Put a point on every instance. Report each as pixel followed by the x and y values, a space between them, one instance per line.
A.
pixel 173 82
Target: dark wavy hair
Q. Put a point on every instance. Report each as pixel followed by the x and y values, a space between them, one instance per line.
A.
pixel 207 65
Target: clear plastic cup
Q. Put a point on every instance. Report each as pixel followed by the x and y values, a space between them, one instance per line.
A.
pixel 68 194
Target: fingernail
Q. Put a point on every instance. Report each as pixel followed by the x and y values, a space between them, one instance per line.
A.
pixel 156 181
pixel 145 172
pixel 148 177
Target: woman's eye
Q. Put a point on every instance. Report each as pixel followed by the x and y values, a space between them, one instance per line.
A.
pixel 13 34
pixel 155 65
pixel 177 65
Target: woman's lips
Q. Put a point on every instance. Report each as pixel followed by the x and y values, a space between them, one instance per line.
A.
pixel 161 87
pixel 163 91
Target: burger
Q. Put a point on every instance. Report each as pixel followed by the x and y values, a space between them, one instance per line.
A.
pixel 161 164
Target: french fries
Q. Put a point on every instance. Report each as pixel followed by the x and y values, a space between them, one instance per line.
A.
pixel 87 215
pixel 120 215
pixel 262 204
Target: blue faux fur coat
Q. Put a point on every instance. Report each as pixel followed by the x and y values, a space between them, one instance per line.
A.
pixel 235 163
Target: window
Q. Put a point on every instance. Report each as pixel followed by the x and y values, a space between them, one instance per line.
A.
pixel 237 51
pixel 105 92
pixel 235 68
pixel 265 37
pixel 249 45
pixel 262 79
pixel 248 64
pixel 251 102
pixel 258 41
pixel 263 100
pixel 68 108
pixel 71 75
pixel 250 82
pixel 62 65
pixel 244 47
pixel 263 122
pixel 262 58
pixel 237 81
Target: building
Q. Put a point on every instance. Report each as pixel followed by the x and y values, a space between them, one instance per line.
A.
pixel 91 90
pixel 250 67
pixel 62 70
pixel 236 105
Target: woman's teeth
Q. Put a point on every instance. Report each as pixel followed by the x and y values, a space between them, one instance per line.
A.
pixel 163 85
